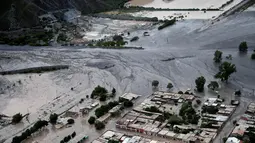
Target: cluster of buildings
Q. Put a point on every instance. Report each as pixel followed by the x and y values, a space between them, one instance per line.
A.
pixel 148 123
pixel 117 137
pixel 215 114
pixel 243 126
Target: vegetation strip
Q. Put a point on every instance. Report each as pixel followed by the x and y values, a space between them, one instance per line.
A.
pixel 35 70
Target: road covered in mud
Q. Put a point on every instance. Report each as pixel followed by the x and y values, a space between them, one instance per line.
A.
pixel 190 45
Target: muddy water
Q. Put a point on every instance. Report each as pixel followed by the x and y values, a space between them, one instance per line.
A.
pixel 189 42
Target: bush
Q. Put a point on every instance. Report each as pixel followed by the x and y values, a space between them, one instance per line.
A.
pixel 99 125
pixel 113 104
pixel 53 118
pixel 243 47
pixel 213 85
pixel 152 109
pixel 92 120
pixel 16 118
pixel 170 85
pixel 200 82
pixel 253 56
pixel 70 121
pixel 117 38
pixel 98 91
pixel 155 83
pixel 217 56
pixel 113 91
pixel 128 103
pixel 180 92
pixel 198 101
pixel 73 134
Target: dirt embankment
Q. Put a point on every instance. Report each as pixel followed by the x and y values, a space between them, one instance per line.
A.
pixel 35 70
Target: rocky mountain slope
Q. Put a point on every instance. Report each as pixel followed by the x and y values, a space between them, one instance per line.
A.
pixel 24 13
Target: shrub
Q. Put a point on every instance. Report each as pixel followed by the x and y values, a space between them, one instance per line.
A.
pixel 200 82
pixel 155 83
pixel 73 134
pixel 92 120
pixel 117 38
pixel 170 85
pixel 53 118
pixel 128 103
pixel 70 121
pixel 98 91
pixel 198 101
pixel 16 118
pixel 180 92
pixel 217 56
pixel 213 85
pixel 253 56
pixel 243 47
pixel 152 109
pixel 113 91
pixel 99 125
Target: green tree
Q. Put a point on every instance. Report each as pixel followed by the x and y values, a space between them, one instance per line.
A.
pixel 170 85
pixel 200 82
pixel 225 70
pixel 217 56
pixel 92 120
pixel 243 47
pixel 213 85
pixel 17 118
pixel 99 125
pixel 53 118
pixel 155 83
pixel 253 56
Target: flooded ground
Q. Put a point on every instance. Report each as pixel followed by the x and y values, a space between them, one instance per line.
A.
pixel 190 42
pixel 103 27
pixel 187 14
pixel 182 4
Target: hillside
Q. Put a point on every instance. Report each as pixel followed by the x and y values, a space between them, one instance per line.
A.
pixel 24 13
